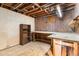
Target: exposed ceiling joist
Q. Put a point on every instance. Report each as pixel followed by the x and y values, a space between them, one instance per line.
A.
pixel 36 9
pixel 69 6
pixel 18 6
pixel 31 10
pixel 8 5
pixel 26 7
pixel 36 4
pixel 40 7
pixel 5 5
pixel 35 12
pixel 48 5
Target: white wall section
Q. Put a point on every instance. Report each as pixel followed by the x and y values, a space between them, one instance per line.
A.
pixel 9 27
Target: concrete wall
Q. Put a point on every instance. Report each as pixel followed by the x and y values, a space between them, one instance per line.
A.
pixel 9 27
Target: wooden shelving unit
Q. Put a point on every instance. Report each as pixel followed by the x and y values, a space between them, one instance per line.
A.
pixel 24 34
pixel 37 36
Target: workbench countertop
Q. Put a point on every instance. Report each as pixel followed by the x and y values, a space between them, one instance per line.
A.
pixel 61 35
pixel 65 36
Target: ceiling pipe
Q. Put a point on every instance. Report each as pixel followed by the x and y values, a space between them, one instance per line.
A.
pixel 59 11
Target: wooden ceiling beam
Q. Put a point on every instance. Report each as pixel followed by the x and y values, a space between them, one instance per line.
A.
pixel 44 15
pixel 48 5
pixel 18 6
pixel 31 10
pixel 71 5
pixel 38 8
pixel 35 12
pixel 3 4
pixel 36 4
pixel 45 9
pixel 28 6
pixel 41 7
pixel 69 8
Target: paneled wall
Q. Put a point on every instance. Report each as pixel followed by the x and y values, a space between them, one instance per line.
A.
pixel 51 23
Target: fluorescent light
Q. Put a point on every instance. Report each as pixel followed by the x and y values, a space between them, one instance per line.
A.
pixel 59 10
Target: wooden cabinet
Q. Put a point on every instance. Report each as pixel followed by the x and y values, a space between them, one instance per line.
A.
pixel 24 34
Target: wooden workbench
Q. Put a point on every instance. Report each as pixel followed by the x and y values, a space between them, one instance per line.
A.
pixel 58 39
pixel 65 36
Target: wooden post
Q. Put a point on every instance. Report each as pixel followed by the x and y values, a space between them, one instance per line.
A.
pixel 56 47
pixel 50 53
pixel 33 36
pixel 51 43
pixel 75 49
pixel 70 51
pixel 64 53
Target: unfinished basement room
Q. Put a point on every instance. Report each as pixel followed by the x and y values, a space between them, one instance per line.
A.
pixel 39 29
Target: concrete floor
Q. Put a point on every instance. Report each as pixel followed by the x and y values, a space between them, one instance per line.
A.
pixel 30 49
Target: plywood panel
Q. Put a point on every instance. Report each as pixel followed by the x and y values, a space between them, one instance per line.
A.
pixel 51 23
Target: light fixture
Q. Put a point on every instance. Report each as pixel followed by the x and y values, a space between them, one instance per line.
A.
pixel 59 10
